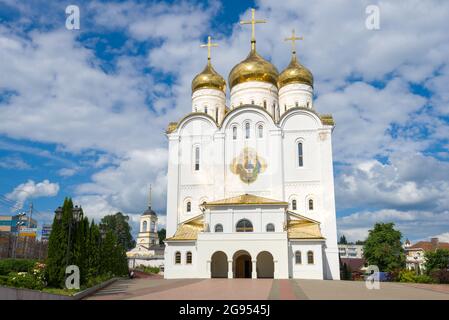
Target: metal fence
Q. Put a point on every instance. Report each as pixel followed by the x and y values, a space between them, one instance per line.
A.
pixel 12 246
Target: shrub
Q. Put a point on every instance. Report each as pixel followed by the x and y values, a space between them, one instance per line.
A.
pixel 152 270
pixel 3 280
pixel 33 279
pixel 15 265
pixel 411 276
pixel 441 276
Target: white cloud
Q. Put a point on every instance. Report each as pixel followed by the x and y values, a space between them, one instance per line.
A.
pixel 32 190
pixel 109 112
pixel 14 162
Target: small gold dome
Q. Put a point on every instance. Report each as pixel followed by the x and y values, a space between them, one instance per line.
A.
pixel 208 78
pixel 253 68
pixel 295 73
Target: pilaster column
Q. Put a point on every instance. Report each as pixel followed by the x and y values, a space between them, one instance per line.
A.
pixel 275 271
pixel 254 271
pixel 208 269
pixel 230 273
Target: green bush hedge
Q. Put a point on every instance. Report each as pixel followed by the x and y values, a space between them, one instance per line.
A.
pixel 411 276
pixel 15 265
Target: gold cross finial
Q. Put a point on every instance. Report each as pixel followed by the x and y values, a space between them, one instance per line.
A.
pixel 253 22
pixel 208 45
pixel 293 39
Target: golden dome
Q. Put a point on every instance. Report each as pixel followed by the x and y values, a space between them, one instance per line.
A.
pixel 253 68
pixel 295 73
pixel 208 78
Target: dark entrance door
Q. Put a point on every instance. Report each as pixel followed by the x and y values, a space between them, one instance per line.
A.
pixel 243 266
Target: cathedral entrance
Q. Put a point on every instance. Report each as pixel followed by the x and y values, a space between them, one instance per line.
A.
pixel 219 265
pixel 265 265
pixel 242 264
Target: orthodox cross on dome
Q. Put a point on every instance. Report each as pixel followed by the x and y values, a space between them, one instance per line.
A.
pixel 209 45
pixel 253 22
pixel 293 39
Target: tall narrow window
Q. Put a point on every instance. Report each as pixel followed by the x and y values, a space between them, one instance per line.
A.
pixel 260 131
pixel 152 226
pixel 285 107
pixel 205 109
pixel 274 109
pixel 234 133
pixel 265 104
pixel 218 228
pixel 144 226
pixel 189 257
pixel 189 206
pixel 270 227
pixel 310 204
pixel 308 104
pixel 300 155
pixel 178 257
pixel 252 101
pixel 310 257
pixel 197 158
pixel 216 114
pixel 298 257
pixel 294 204
pixel 247 130
pixel 296 104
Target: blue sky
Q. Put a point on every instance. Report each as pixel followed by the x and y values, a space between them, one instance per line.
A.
pixel 82 112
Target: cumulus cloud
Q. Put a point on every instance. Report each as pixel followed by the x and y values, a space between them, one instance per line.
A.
pixel 30 189
pixel 387 131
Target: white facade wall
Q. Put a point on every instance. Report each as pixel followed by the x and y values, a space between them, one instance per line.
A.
pixel 282 178
pixel 295 95
pixel 262 94
pixel 304 270
pixel 211 99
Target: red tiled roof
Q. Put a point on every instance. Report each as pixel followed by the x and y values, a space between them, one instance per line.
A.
pixel 427 245
pixel 354 264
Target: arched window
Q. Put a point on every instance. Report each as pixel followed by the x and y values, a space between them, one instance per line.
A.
pixel 247 133
pixel 178 257
pixel 265 104
pixel 260 131
pixel 196 109
pixel 294 204
pixel 144 226
pixel 205 109
pixel 234 133
pixel 296 104
pixel 300 155
pixel 189 206
pixel 244 225
pixel 270 227
pixel 308 104
pixel 197 158
pixel 310 257
pixel 189 257
pixel 218 228
pixel 298 257
pixel 310 204
pixel 153 226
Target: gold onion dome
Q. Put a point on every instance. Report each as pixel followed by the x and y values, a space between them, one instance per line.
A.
pixel 295 73
pixel 253 68
pixel 208 79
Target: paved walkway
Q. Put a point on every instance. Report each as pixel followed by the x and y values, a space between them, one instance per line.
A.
pixel 156 288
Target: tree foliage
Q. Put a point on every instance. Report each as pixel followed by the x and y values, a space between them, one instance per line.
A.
pixel 161 234
pixel 343 240
pixel 119 224
pixel 436 260
pixel 76 241
pixel 383 247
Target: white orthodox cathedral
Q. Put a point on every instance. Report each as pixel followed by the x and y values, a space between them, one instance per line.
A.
pixel 250 189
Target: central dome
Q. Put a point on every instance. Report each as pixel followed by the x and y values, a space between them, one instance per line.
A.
pixel 253 68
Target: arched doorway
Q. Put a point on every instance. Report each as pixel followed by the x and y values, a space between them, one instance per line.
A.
pixel 242 264
pixel 219 265
pixel 265 265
